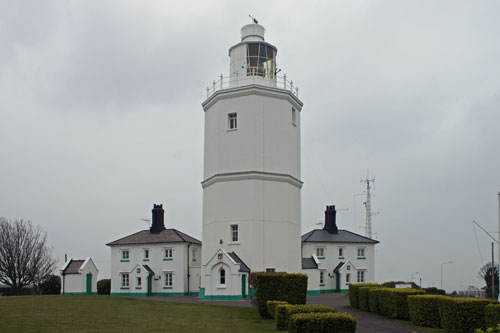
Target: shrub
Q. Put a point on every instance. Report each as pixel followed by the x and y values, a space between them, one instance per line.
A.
pixel 51 285
pixel 424 310
pixel 283 312
pixel 462 314
pixel 322 322
pixel 392 284
pixel 374 299
pixel 492 315
pixel 384 301
pixel 104 287
pixel 353 292
pixel 291 288
pixel 271 307
pixel 363 297
pixel 398 302
pixel 434 291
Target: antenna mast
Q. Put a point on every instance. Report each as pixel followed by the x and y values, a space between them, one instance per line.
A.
pixel 368 227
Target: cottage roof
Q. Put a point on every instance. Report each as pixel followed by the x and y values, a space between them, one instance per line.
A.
pixel 309 263
pixel 150 271
pixel 343 236
pixel 146 237
pixel 73 267
pixel 338 267
pixel 243 266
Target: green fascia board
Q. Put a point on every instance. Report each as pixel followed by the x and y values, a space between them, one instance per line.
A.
pixel 223 297
pixel 313 292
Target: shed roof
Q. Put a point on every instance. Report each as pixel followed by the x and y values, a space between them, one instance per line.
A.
pixel 73 267
pixel 343 236
pixel 243 266
pixel 309 263
pixel 146 237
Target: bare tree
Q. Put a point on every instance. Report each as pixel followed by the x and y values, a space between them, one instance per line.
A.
pixel 25 258
pixel 486 272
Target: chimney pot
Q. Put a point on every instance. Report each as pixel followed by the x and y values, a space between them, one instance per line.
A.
pixel 331 220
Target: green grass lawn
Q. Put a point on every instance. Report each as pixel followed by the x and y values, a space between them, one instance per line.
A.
pixel 121 314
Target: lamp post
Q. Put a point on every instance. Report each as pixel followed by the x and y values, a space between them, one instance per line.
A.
pixel 444 263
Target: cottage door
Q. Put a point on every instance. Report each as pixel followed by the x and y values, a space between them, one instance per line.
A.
pixel 244 286
pixel 150 281
pixel 89 284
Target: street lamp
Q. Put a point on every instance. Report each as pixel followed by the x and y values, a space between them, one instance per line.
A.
pixel 444 263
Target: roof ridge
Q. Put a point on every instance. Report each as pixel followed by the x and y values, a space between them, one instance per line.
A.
pixel 179 234
pixel 358 235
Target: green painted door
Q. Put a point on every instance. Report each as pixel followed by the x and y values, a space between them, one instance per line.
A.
pixel 150 280
pixel 337 280
pixel 89 284
pixel 244 286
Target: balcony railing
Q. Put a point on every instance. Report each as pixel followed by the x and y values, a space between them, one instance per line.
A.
pixel 225 82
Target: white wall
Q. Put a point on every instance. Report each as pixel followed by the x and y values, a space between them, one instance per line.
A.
pixel 350 255
pixel 178 266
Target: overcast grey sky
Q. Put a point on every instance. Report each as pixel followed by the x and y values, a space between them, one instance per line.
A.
pixel 100 117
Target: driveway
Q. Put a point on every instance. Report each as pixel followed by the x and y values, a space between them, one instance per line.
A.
pixel 366 322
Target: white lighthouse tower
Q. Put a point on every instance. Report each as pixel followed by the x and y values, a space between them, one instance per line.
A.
pixel 251 186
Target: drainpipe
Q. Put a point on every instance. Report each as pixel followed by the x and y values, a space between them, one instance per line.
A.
pixel 188 275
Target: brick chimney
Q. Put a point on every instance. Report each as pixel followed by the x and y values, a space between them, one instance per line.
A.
pixel 331 220
pixel 158 219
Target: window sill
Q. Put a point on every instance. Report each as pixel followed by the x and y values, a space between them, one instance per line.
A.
pixel 194 259
pixel 125 260
pixel 221 286
pixel 361 258
pixel 234 243
pixel 231 129
pixel 168 287
pixel 322 258
pixel 347 283
pixel 145 259
pixel 341 257
pixel 167 259
pixel 124 288
pixel 138 288
pixel 321 284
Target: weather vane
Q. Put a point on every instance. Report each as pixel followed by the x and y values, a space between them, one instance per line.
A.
pixel 253 19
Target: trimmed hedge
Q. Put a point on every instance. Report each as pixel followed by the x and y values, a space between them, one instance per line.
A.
pixel 424 310
pixel 104 286
pixel 353 292
pixel 384 301
pixel 364 297
pixel 271 307
pixel 373 299
pixel 492 315
pixel 322 322
pixel 291 288
pixel 398 302
pixel 463 314
pixel 283 312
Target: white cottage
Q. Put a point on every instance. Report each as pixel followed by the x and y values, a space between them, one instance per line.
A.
pixel 79 277
pixel 158 261
pixel 342 257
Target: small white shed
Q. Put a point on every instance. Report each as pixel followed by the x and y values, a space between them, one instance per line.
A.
pixel 79 277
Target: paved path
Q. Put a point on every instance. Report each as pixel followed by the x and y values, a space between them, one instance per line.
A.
pixel 366 322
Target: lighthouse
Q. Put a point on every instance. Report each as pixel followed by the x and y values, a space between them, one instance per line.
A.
pixel 251 180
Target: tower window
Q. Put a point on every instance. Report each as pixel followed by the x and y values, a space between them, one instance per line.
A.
pixel 294 117
pixel 232 121
pixel 234 232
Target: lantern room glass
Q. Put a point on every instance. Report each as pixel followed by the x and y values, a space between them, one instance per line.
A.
pixel 260 60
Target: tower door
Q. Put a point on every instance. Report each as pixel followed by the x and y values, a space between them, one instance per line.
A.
pixel 89 284
pixel 244 286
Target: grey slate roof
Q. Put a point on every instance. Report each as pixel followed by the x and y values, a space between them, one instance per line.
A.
pixel 309 263
pixel 150 271
pixel 338 267
pixel 146 237
pixel 73 267
pixel 243 266
pixel 343 236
